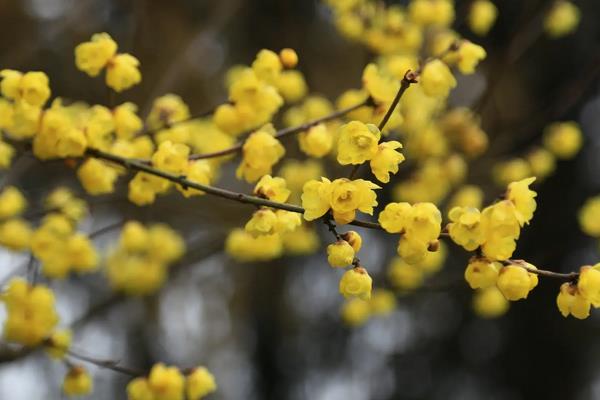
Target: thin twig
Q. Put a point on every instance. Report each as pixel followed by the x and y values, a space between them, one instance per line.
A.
pixel 108 364
pixel 286 131
pixel 213 190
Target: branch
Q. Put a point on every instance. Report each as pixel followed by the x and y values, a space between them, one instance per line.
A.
pixel 113 365
pixel 136 165
pixel 286 131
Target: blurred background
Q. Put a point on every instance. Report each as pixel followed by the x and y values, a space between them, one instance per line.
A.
pixel 273 330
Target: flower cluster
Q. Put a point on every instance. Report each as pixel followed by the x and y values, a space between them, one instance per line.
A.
pixel 169 383
pixel 342 196
pixel 101 53
pixel 139 264
pixel 31 314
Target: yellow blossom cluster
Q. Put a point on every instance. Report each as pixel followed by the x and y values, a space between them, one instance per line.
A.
pixel 122 69
pixel 419 226
pixel 496 228
pixel 77 382
pixel 257 92
pixel 169 383
pixel 61 249
pixel 15 232
pixel 31 314
pixel 561 140
pixel 139 263
pixel 357 311
pixel 407 277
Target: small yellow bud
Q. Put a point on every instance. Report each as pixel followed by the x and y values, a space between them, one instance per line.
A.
pixel 122 72
pixel 356 282
pixel 515 282
pixel 356 312
pixel 437 79
pixel 288 58
pixel 77 382
pixel 482 16
pixel 588 284
pixel 59 343
pixel 570 301
pixel 354 239
pixel 199 383
pixel 340 254
pixel 562 19
pixel 481 273
pixel 490 303
pixel 563 139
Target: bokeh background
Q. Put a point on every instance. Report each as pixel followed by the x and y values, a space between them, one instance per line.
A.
pixel 273 330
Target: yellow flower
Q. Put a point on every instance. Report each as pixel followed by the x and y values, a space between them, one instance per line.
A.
pixel 315 198
pixel 356 312
pixel 523 198
pixel 166 383
pixel 511 170
pixel 165 244
pixel 490 303
pixel 465 228
pixel 272 188
pixel 244 247
pixel 501 229
pixel 31 315
pixel 469 55
pixel 588 284
pixel 437 79
pixel 127 122
pixel 7 153
pixel 172 157
pixel 562 19
pixel 139 389
pixel 356 282
pixel 31 87
pixel 405 276
pixel 10 84
pixel 260 152
pixel 82 255
pixel 354 239
pixel 25 120
pixel 431 12
pixel 288 57
pixel 482 273
pixel 346 197
pixel 542 163
pixel 382 302
pixel 357 143
pixel 382 88
pixel 91 57
pixel 287 221
pixel 167 110
pixel 122 72
pixel 589 216
pixel 316 142
pixel 302 241
pixel 59 343
pixel 563 139
pixel 15 234
pixel 291 85
pixel 263 222
pixel 419 224
pixel 199 171
pixel 77 382
pixel 12 202
pixel 395 217
pixel 267 66
pixel 340 254
pixel 482 16
pixel 386 160
pixel 199 383
pixel 570 301
pixel 97 177
pixel 515 282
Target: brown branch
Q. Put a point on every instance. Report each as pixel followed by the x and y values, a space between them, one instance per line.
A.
pixel 409 78
pixel 286 131
pixel 212 190
pixel 113 365
pixel 571 276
